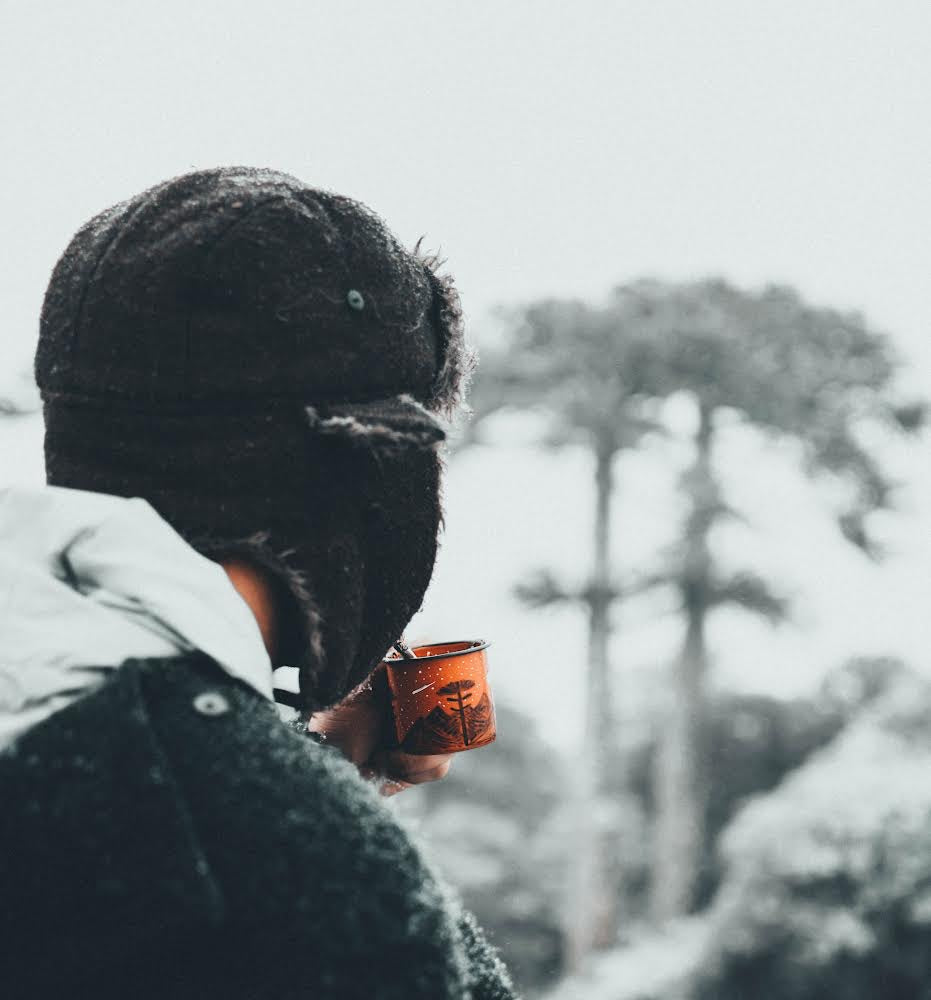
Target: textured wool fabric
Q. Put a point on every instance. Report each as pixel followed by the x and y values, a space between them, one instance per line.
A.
pixel 262 360
pixel 168 837
pixel 235 283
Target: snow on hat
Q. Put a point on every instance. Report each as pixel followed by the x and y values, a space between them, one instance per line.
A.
pixel 264 363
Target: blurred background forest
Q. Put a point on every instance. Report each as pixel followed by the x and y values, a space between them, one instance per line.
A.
pixel 692 509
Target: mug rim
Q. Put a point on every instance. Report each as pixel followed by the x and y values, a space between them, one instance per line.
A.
pixel 475 646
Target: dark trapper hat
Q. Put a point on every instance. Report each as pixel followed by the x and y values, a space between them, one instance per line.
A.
pixel 264 363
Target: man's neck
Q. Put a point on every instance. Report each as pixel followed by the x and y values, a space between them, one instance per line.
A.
pixel 255 590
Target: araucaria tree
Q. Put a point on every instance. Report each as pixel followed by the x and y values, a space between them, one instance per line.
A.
pixel 584 370
pixel 792 370
pixel 815 375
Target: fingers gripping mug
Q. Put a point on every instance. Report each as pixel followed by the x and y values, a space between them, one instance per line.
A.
pixel 440 699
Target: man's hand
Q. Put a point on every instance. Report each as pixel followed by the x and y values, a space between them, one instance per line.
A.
pixel 362 728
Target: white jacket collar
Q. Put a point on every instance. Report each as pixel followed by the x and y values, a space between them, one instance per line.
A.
pixel 88 581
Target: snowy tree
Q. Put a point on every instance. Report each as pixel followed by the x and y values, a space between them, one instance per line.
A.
pixel 598 376
pixel 814 375
pixel 827 891
pixel 584 370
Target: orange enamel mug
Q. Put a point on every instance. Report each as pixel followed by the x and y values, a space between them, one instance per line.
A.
pixel 440 699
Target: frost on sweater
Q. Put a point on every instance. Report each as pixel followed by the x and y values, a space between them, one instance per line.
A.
pixel 157 845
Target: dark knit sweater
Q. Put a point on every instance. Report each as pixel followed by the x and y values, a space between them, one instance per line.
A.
pixel 154 843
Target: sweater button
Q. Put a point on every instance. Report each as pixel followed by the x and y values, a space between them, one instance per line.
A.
pixel 211 703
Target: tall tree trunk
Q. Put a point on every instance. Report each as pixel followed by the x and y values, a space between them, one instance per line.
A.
pixel 680 780
pixel 592 910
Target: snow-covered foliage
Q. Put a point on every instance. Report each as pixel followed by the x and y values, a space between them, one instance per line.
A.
pixel 827 888
pixel 653 965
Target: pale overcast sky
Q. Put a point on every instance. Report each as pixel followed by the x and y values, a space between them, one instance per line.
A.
pixel 549 148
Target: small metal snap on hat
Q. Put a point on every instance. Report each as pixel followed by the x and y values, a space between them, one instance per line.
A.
pixel 211 703
pixel 354 300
